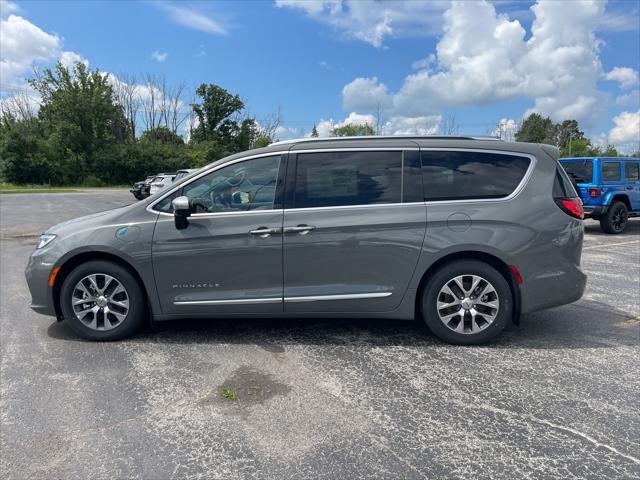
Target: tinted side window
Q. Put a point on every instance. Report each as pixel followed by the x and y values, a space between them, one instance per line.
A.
pixel 581 171
pixel 562 185
pixel 242 186
pixel 327 179
pixel 632 172
pixel 465 175
pixel 611 171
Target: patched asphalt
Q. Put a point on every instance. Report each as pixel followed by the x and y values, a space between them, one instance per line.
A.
pixel 557 397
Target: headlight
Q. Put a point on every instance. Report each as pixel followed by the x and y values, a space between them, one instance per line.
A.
pixel 45 239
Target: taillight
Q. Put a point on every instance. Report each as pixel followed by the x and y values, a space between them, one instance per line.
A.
pixel 571 206
pixel 594 192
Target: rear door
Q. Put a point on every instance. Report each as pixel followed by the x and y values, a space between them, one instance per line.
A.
pixel 632 179
pixel 611 176
pixel 354 223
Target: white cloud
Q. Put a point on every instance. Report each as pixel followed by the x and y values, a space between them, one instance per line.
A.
pixel 69 59
pixel 626 130
pixel 7 7
pixel 506 129
pixel 159 56
pixel 424 63
pixel 631 99
pixel 625 20
pixel 398 125
pixel 484 57
pixel 192 18
pixel 23 44
pixel 625 76
pixel 363 93
pixel 372 21
pixel 324 127
pixel 422 125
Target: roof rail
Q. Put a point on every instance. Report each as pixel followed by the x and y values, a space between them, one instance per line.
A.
pixel 372 137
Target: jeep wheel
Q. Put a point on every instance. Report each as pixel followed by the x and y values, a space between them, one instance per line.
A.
pixel 616 218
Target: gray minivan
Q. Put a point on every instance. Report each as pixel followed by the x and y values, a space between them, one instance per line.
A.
pixel 464 233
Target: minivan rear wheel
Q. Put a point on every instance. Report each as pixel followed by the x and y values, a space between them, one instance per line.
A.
pixel 467 302
pixel 102 301
pixel 616 218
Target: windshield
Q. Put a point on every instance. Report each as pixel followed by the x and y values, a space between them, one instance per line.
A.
pixel 581 171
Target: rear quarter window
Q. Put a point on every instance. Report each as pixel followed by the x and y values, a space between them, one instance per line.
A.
pixel 610 171
pixel 457 175
pixel 581 171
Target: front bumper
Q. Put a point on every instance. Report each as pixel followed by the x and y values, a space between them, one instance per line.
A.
pixel 37 275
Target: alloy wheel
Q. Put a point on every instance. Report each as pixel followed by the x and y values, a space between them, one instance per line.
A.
pixel 467 304
pixel 619 219
pixel 100 301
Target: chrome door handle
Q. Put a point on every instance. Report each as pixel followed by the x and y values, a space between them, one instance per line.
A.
pixel 264 232
pixel 301 229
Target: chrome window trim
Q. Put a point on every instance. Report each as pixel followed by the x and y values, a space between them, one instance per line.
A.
pixel 348 296
pixel 515 193
pixel 525 179
pixel 343 207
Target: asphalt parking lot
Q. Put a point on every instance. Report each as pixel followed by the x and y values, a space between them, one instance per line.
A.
pixel 557 397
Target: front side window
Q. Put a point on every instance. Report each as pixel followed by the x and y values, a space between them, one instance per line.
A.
pixel 610 171
pixel 328 179
pixel 632 172
pixel 242 186
pixel 458 175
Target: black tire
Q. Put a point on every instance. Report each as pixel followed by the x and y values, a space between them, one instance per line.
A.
pixel 616 219
pixel 466 268
pixel 137 301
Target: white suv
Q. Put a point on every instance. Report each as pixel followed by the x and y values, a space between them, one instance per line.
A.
pixel 160 182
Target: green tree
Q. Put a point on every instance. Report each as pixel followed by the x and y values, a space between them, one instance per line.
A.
pixel 161 135
pixel 351 130
pixel 78 118
pixel 262 141
pixel 314 131
pixel 536 129
pixel 566 132
pixel 214 114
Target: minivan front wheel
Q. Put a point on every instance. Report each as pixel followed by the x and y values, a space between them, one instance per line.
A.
pixel 616 218
pixel 467 302
pixel 102 301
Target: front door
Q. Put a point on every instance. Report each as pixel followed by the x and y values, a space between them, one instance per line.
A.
pixel 350 242
pixel 229 258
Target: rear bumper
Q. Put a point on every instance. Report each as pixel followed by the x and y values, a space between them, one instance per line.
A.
pixel 594 211
pixel 554 288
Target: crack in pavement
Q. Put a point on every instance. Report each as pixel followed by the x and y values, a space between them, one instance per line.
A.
pixel 573 431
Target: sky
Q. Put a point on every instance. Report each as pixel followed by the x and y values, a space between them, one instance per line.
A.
pixel 467 67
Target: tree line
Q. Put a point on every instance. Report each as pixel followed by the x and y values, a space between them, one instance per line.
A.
pixel 85 131
pixel 565 135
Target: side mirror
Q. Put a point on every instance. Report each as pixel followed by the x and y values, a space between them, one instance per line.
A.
pixel 181 212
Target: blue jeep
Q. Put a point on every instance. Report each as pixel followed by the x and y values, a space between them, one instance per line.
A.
pixel 609 188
